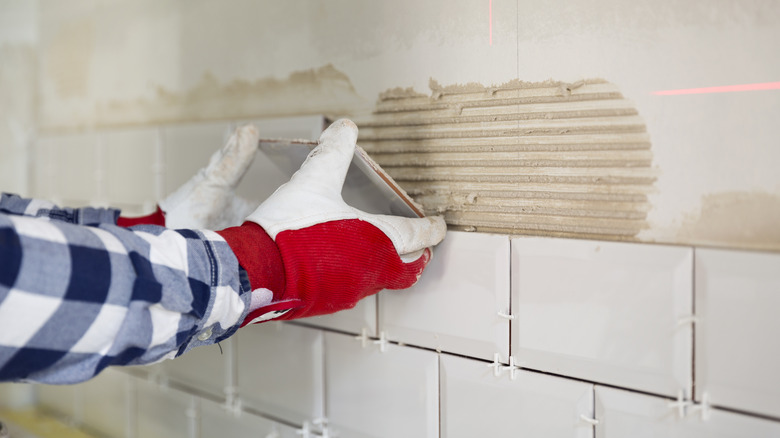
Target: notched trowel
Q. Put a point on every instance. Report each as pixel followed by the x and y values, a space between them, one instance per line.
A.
pixel 367 187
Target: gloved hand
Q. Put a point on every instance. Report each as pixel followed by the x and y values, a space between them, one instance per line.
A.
pixel 309 253
pixel 208 199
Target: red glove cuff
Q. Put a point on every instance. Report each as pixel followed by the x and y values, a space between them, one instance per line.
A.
pixel 258 255
pixel 156 218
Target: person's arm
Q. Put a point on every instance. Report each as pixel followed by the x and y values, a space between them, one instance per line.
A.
pixel 12 204
pixel 75 299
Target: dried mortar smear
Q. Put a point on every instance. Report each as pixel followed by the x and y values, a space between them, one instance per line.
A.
pixel 547 158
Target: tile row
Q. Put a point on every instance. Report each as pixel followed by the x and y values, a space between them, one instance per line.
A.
pixel 401 391
pixel 604 312
pixel 134 168
pixel 621 314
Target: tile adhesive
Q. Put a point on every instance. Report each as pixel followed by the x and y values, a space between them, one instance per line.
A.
pixel 545 158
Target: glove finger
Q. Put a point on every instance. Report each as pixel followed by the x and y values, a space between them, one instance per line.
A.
pixel 409 235
pixel 326 166
pixel 228 165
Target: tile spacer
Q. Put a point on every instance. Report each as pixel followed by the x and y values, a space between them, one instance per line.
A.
pixel 591 421
pixel 382 342
pixel 680 404
pixel 363 337
pixel 512 368
pixel 686 320
pixel 496 365
pixel 705 407
pixel 305 430
pixel 506 315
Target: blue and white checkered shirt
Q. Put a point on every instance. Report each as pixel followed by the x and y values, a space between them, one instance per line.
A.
pixel 78 293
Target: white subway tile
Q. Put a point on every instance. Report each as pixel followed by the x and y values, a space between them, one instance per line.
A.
pixel 738 310
pixel 623 413
pixel 380 394
pixel 66 168
pixel 105 403
pixel 280 370
pixel 203 368
pixel 354 320
pixel 604 311
pixel 475 402
pixel 187 148
pixel 129 173
pixel 216 421
pixel 455 305
pixel 297 127
pixel 61 400
pixel 163 412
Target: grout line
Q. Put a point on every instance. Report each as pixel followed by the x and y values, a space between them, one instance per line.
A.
pixel 511 290
pixel 324 369
pixel 693 325
pixel 593 414
pixel 745 413
pixel 197 392
pixel 131 407
pixel 159 165
pixel 438 372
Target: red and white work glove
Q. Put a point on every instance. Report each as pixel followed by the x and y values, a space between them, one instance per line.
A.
pixel 208 199
pixel 308 253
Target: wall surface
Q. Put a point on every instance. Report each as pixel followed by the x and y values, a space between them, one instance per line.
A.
pixel 714 155
pixel 531 121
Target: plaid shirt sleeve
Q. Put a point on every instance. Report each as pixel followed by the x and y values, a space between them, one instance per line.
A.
pixel 75 299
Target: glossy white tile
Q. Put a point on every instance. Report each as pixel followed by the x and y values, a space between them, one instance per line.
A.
pixel 280 370
pixel 623 413
pixel 63 401
pixel 354 320
pixel 187 148
pixel 105 403
pixel 216 421
pixel 204 368
pixel 164 412
pixel 370 393
pixel 67 168
pixel 738 311
pixel 455 306
pixel 475 402
pixel 128 169
pixel 604 311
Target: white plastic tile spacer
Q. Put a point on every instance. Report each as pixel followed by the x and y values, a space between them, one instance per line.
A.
pixel 680 404
pixel 512 368
pixel 234 405
pixel 704 407
pixel 382 342
pixel 305 431
pixel 506 315
pixel 158 378
pixel 321 422
pixel 363 337
pixel 591 421
pixel 686 320
pixel 496 365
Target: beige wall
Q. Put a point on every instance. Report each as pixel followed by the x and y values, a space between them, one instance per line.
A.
pixel 103 64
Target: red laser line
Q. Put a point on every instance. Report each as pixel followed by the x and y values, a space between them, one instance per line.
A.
pixel 721 89
pixel 490 9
